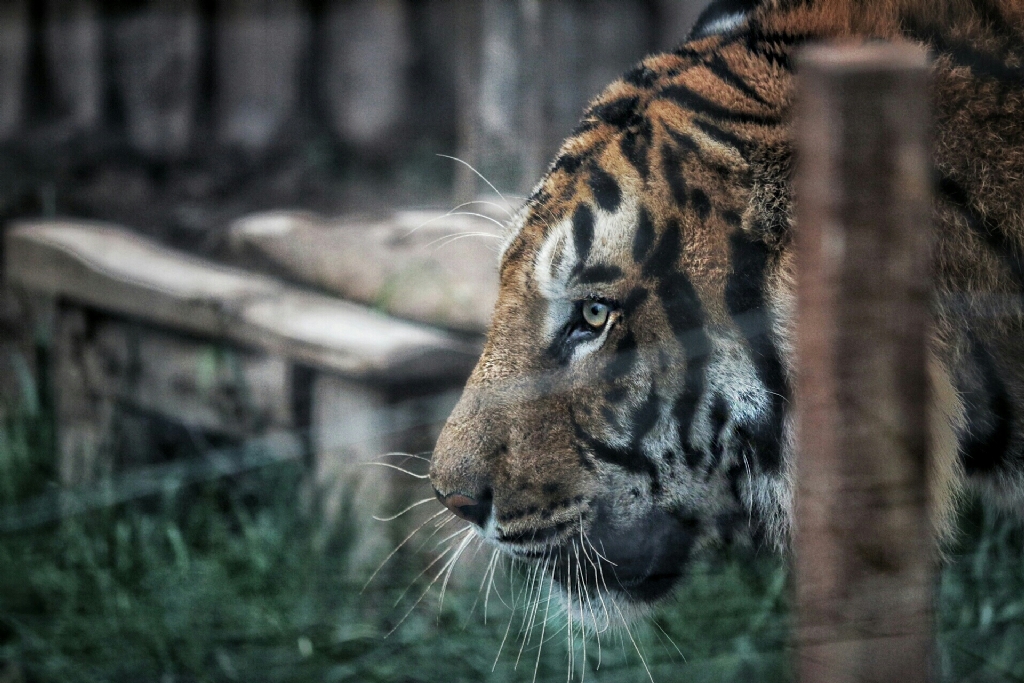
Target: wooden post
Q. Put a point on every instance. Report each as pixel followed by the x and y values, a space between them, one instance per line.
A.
pixel 863 551
pixel 14 40
pixel 365 72
pixel 158 50
pixel 257 60
pixel 73 41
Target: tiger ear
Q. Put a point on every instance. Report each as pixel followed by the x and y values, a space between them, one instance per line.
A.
pixel 722 16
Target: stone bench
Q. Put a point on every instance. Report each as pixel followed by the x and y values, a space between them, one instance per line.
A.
pixel 226 352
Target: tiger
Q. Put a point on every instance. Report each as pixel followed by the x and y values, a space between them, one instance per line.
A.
pixel 633 406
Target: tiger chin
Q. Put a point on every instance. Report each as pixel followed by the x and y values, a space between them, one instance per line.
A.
pixel 633 405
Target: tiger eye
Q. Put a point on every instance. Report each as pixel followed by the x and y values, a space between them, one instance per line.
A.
pixel 595 313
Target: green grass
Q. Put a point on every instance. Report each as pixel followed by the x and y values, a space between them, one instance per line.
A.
pixel 232 581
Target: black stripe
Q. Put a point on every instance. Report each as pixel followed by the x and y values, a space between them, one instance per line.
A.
pixel 587 124
pixel 628 459
pixel 731 218
pixel 684 141
pixel 582 233
pixel 993 17
pixel 684 312
pixel 569 163
pixel 719 418
pixel 985 228
pixel 672 167
pixel 635 145
pixel 645 418
pixel 643 238
pixel 685 408
pixel 718 66
pixel 601 272
pixel 964 55
pixel 641 76
pixel 726 138
pixel 989 414
pixel 774 47
pixel 744 298
pixel 701 203
pixel 686 318
pixel 699 104
pixel 665 257
pixel 620 113
pixel 606 190
pixel 623 360
pixel 634 300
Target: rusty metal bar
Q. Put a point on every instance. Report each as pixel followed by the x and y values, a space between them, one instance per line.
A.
pixel 863 550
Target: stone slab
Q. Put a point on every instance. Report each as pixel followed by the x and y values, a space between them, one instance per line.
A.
pixel 114 270
pixel 426 266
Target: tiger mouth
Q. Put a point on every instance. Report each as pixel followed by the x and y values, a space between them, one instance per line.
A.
pixel 642 562
pixel 641 578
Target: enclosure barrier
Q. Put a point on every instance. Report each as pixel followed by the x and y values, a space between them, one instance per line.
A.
pixel 504 81
pixel 863 556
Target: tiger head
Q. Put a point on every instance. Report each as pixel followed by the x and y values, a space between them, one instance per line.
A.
pixel 629 409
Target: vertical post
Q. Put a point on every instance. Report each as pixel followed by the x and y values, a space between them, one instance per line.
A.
pixel 365 73
pixel 73 47
pixel 863 552
pixel 158 51
pixel 14 47
pixel 258 50
pixel 468 20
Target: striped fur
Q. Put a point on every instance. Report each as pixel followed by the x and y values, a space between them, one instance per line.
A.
pixel 669 429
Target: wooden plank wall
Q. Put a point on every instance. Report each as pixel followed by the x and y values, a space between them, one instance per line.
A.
pixel 499 81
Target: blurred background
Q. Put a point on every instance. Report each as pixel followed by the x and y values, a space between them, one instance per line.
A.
pixel 248 259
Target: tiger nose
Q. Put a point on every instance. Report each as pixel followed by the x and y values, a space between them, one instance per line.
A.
pixel 475 510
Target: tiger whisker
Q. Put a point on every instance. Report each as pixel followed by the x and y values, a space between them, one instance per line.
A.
pixel 511 616
pixel 400 469
pixel 495 558
pixel 417 577
pixel 454 534
pixel 399 547
pixel 504 638
pixel 532 610
pixel 479 215
pixel 496 205
pixel 454 211
pixel 568 622
pixel 407 509
pixel 483 581
pixel 629 633
pixel 437 528
pixel 584 593
pixel 470 536
pixel 599 570
pixel 544 625
pixel 449 239
pixel 426 590
pixel 478 175
pixel 668 638
pixel 417 456
pixel 584 541
pixel 527 609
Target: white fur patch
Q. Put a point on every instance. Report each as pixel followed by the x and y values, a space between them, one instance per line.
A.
pixel 723 24
pixel 557 259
